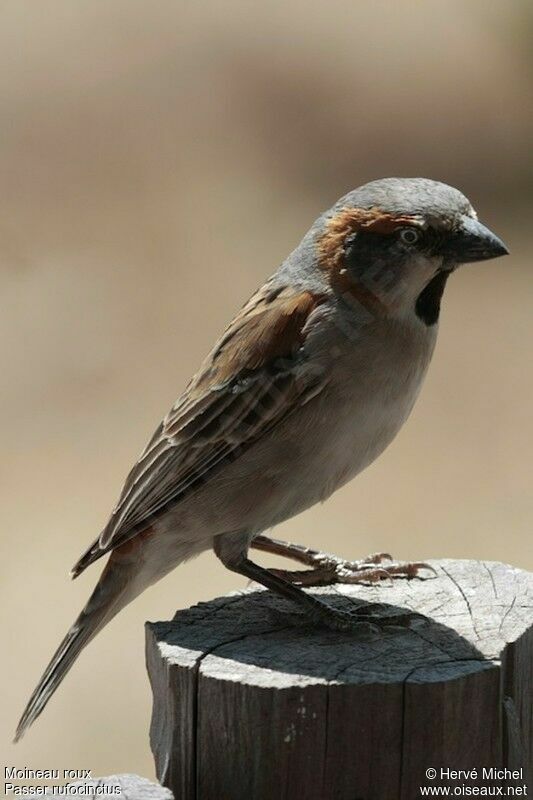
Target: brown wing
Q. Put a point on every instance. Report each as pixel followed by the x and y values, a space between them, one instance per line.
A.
pixel 252 380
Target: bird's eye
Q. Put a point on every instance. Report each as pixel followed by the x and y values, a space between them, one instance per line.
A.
pixel 409 235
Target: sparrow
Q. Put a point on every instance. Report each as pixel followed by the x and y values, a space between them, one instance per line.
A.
pixel 311 381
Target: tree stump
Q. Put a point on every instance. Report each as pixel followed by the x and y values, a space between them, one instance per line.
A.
pixel 248 706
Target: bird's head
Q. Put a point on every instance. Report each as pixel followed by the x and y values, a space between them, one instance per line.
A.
pixel 391 244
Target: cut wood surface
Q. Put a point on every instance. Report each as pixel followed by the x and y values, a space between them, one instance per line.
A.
pixel 125 787
pixel 249 705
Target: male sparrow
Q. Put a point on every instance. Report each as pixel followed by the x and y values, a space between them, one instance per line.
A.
pixel 306 387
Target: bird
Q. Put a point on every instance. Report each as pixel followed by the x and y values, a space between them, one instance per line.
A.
pixel 306 387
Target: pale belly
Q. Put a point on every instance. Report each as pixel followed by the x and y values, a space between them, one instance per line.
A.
pixel 305 459
pixel 342 440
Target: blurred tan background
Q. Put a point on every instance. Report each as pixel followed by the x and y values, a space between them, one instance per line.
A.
pixel 157 161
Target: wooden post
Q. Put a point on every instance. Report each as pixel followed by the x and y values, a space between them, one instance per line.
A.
pixel 248 706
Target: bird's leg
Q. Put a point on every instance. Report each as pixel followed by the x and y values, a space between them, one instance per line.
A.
pixel 328 569
pixel 232 552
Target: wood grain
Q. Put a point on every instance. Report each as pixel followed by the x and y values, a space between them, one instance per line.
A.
pixel 248 705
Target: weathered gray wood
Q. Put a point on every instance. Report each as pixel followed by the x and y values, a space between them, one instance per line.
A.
pixel 131 787
pixel 246 705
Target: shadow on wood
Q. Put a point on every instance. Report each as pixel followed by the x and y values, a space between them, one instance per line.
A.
pixel 248 705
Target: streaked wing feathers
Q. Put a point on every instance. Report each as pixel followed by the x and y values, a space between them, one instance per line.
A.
pixel 250 382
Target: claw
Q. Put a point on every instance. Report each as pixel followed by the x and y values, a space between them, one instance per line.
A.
pixel 410 569
pixel 362 575
pixel 375 558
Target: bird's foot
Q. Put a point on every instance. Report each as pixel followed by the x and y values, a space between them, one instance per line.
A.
pixel 338 570
pixel 327 569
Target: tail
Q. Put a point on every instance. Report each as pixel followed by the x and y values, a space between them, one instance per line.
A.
pixel 108 598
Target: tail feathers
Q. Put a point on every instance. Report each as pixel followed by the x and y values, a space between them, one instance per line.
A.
pixel 63 658
pixel 106 600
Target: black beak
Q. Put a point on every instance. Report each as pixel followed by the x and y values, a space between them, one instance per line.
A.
pixel 472 241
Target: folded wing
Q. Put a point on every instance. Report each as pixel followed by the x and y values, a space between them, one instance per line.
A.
pixel 254 378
